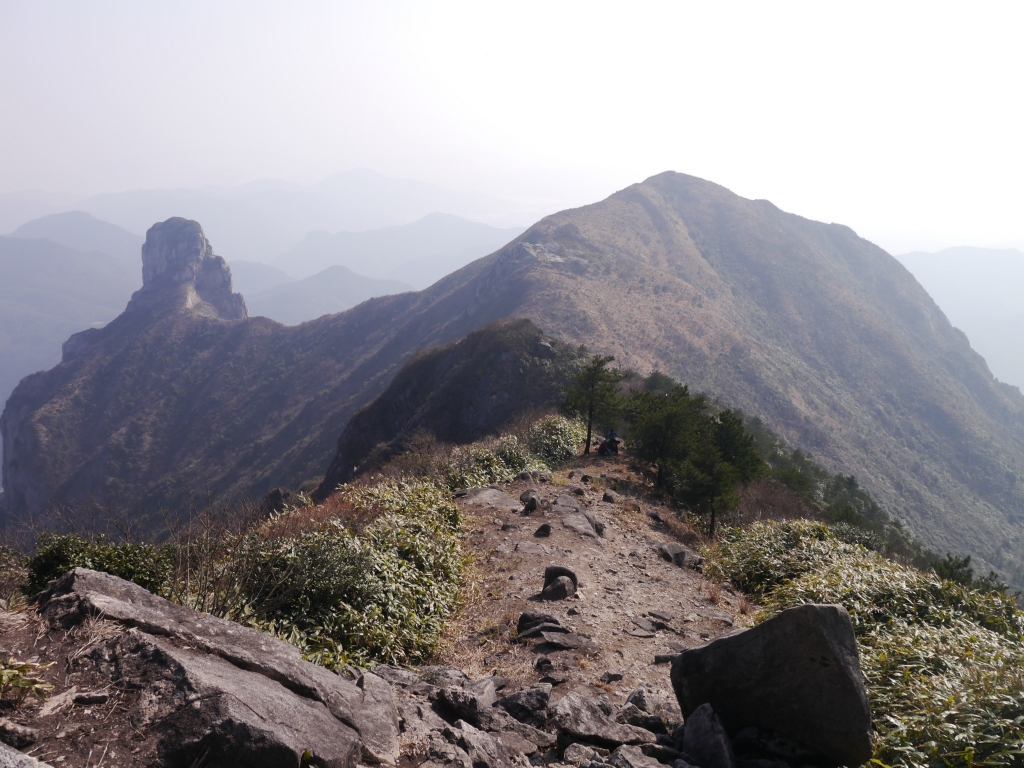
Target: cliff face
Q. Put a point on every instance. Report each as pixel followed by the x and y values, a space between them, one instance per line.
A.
pixel 822 334
pixel 48 429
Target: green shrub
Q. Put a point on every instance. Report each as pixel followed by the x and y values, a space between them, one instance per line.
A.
pixel 57 554
pixel 943 662
pixel 382 595
pixel 556 439
pixel 478 464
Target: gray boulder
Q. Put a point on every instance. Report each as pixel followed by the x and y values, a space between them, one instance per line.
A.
pixel 530 499
pixel 581 524
pixel 530 619
pixel 201 705
pixel 581 718
pixel 632 757
pixel 463 704
pixel 559 589
pixel 484 689
pixel 16 735
pixel 567 502
pixel 797 675
pixel 552 572
pixel 483 750
pixel 12 758
pixel 678 554
pixel 705 740
pixel 246 691
pixel 524 704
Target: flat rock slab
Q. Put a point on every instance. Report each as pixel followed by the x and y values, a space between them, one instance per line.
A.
pixel 202 705
pixel 797 674
pixel 580 524
pixel 493 498
pixel 530 548
pixel 582 718
pixel 367 709
pixel 570 642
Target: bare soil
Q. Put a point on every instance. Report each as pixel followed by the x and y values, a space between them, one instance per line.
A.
pixel 623 582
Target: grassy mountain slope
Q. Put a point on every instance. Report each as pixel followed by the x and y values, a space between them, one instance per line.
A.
pixel 84 232
pixel 821 334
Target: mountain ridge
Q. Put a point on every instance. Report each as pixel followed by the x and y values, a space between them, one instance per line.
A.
pixel 805 325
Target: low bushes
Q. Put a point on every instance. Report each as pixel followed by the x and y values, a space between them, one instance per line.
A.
pixel 368 576
pixel 942 661
pixel 55 555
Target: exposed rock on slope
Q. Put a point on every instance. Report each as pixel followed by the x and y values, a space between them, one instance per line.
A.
pixel 458 392
pixel 200 690
pixel 820 333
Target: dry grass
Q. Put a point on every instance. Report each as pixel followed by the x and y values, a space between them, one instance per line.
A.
pixel 746 607
pixel 714 592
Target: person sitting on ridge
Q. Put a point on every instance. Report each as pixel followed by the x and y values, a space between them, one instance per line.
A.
pixel 613 441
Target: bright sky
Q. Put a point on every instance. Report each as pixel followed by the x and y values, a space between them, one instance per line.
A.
pixel 902 120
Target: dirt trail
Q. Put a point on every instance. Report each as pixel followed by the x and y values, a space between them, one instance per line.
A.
pixel 625 588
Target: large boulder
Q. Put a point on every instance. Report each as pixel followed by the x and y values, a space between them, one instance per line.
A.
pixel 582 719
pixel 228 688
pixel 797 674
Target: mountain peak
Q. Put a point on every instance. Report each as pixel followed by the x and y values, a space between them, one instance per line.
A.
pixel 179 267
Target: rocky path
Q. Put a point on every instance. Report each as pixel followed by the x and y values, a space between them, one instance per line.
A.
pixel 634 608
pixel 581 605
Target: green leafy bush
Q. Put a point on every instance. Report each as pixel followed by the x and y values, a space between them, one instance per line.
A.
pixel 56 554
pixel 556 439
pixel 380 595
pixel 943 661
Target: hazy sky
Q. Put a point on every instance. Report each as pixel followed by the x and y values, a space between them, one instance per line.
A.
pixel 902 120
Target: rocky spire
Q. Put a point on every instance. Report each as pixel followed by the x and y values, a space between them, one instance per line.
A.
pixel 181 271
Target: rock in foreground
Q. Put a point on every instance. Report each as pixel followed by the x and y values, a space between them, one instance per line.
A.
pixel 224 691
pixel 797 675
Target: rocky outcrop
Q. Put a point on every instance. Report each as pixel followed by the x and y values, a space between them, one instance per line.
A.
pixel 796 675
pixel 180 268
pixel 219 689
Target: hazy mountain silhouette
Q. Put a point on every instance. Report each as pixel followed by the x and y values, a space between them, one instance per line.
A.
pixel 261 220
pixel 84 232
pixel 333 290
pixel 979 289
pixel 251 277
pixel 820 333
pixel 47 292
pixel 420 253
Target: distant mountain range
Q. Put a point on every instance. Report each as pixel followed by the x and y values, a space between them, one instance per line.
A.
pixel 48 292
pixel 420 253
pixel 329 291
pixel 261 220
pixel 823 335
pixel 980 290
pixel 84 232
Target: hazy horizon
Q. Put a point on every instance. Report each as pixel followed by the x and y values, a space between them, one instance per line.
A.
pixel 903 126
